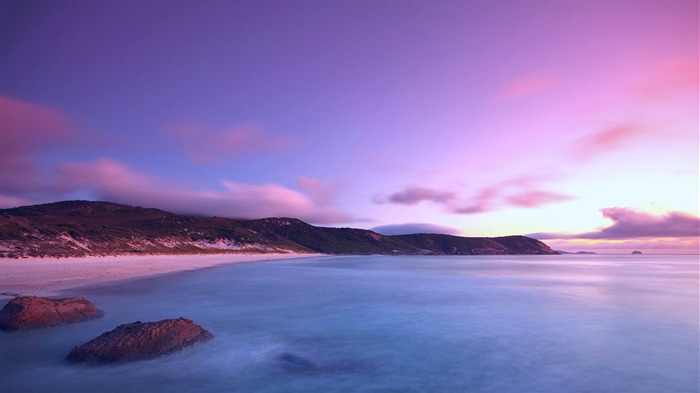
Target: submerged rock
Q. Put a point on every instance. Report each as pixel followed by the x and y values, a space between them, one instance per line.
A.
pixel 294 363
pixel 31 312
pixel 140 340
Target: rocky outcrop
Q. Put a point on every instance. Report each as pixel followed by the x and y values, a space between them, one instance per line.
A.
pixel 140 340
pixel 31 312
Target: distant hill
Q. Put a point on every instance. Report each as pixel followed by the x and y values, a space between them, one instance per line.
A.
pixel 578 252
pixel 84 228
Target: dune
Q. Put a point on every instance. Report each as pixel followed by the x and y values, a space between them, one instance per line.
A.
pixel 50 276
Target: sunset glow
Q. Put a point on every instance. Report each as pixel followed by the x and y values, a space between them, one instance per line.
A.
pixel 576 123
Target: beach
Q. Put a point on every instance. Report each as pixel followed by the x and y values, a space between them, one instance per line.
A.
pixel 50 276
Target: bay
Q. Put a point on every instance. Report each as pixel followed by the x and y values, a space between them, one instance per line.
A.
pixel 567 323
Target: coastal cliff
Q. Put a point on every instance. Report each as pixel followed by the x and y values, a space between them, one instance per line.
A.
pixel 85 228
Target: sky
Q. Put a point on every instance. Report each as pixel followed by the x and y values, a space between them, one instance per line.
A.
pixel 575 122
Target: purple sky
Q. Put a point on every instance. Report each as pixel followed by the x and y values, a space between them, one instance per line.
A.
pixel 575 121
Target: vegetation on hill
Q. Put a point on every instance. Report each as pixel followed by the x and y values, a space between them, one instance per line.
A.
pixel 81 228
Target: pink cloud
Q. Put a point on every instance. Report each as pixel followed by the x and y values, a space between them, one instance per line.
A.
pixel 669 78
pixel 320 192
pixel 630 224
pixel 9 201
pixel 414 195
pixel 114 181
pixel 527 85
pixel 26 130
pixel 535 198
pixel 509 194
pixel 27 126
pixel 610 139
pixel 484 200
pixel 520 191
pixel 205 146
pixel 108 178
pixel 524 191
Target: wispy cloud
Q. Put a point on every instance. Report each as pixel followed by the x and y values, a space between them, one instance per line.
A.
pixel 27 126
pixel 630 224
pixel 667 79
pixel 527 85
pixel 322 193
pixel 9 201
pixel 206 146
pixel 535 198
pixel 28 129
pixel 413 195
pixel 508 194
pixel 608 140
pixel 114 181
pixel 521 191
pixel 485 199
pixel 410 228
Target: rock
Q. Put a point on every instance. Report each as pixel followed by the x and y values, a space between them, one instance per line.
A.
pixel 294 363
pixel 140 340
pixel 31 312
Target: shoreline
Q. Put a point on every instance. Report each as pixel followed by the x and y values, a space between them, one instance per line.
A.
pixel 51 276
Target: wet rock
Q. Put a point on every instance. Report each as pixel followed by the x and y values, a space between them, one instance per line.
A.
pixel 294 363
pixel 140 340
pixel 31 312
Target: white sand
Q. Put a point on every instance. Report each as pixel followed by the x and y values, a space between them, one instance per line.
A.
pixel 48 276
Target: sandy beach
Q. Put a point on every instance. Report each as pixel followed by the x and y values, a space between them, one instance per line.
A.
pixel 48 276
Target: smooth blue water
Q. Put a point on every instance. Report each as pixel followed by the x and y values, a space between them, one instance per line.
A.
pixel 394 324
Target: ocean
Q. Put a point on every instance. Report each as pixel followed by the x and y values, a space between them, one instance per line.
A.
pixel 567 323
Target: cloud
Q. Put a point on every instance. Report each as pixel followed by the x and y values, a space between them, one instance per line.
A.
pixel 521 191
pixel 114 181
pixel 410 228
pixel 630 224
pixel 535 198
pixel 667 79
pixel 610 139
pixel 484 200
pixel 527 85
pixel 9 201
pixel 204 146
pixel 27 129
pixel 508 194
pixel 413 195
pixel 320 192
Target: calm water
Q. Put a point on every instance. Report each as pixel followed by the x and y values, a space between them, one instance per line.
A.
pixel 394 324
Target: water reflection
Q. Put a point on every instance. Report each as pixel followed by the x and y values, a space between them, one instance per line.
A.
pixel 403 324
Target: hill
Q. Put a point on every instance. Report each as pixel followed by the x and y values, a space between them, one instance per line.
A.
pixel 82 228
